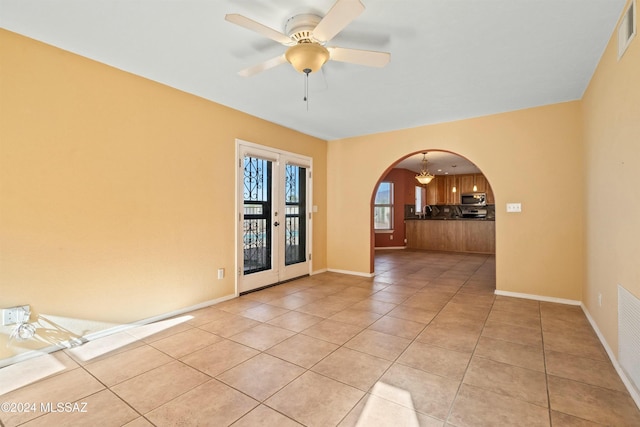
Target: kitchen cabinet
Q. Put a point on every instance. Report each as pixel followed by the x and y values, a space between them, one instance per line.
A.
pixel 468 181
pixel 476 236
pixel 451 197
pixel 466 184
pixel 483 187
pixel 490 199
pixel 438 191
pixel 436 194
pixel 481 183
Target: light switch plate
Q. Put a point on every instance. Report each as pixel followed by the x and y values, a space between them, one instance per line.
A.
pixel 514 207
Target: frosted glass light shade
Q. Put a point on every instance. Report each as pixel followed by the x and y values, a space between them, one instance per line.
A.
pixel 424 179
pixel 307 56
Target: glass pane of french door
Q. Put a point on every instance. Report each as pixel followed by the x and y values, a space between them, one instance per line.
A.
pixel 256 230
pixel 295 236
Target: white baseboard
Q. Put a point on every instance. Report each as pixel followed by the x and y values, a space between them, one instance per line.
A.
pixel 106 332
pixel 313 273
pixel 635 395
pixel 31 354
pixel 120 328
pixel 352 273
pixel 537 297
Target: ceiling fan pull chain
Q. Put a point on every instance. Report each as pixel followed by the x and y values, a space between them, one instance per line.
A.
pixel 306 86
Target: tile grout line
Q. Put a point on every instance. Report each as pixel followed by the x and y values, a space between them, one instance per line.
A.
pixel 546 372
pixel 468 364
pixel 113 392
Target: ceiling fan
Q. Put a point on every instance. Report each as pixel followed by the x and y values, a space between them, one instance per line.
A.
pixel 306 36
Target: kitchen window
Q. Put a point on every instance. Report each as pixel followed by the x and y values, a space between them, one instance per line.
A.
pixel 419 191
pixel 383 207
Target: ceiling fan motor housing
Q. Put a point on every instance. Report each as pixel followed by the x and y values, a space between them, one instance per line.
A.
pixel 300 27
pixel 307 55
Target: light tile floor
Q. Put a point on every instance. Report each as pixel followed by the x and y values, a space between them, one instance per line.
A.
pixel 425 342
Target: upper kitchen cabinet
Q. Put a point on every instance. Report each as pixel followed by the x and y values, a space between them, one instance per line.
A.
pixel 452 181
pixel 436 194
pixel 481 183
pixel 466 183
pixel 440 189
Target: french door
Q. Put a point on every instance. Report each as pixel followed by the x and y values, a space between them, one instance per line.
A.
pixel 273 216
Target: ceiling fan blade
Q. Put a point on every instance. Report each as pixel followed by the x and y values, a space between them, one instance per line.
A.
pixel 263 66
pixel 340 15
pixel 369 58
pixel 259 28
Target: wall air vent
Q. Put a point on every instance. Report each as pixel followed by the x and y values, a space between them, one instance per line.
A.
pixel 629 335
pixel 627 28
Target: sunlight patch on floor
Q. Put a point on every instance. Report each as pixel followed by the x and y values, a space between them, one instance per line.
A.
pixel 19 375
pixel 111 343
pixel 395 408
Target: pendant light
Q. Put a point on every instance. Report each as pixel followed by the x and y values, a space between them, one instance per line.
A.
pixel 424 177
pixel 454 189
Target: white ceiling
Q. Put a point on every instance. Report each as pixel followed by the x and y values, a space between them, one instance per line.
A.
pixel 450 59
pixel 439 163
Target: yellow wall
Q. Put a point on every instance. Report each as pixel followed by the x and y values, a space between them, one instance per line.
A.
pixel 611 112
pixel 531 156
pixel 116 193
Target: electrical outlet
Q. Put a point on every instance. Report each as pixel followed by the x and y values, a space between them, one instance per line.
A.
pixel 390 236
pixel 220 273
pixel 13 315
pixel 599 300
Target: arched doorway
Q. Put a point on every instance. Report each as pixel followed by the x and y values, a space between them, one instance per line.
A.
pixel 439 216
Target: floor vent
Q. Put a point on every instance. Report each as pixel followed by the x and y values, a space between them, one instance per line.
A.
pixel 627 28
pixel 629 335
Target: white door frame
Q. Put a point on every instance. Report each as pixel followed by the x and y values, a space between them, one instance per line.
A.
pixel 277 156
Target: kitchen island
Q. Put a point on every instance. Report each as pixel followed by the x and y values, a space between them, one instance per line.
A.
pixel 476 235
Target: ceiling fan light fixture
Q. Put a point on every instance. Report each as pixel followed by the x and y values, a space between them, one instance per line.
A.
pixel 307 57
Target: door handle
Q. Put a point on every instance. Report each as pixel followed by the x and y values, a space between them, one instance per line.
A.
pixel 276 223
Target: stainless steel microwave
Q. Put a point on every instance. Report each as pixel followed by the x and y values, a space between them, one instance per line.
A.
pixel 473 199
